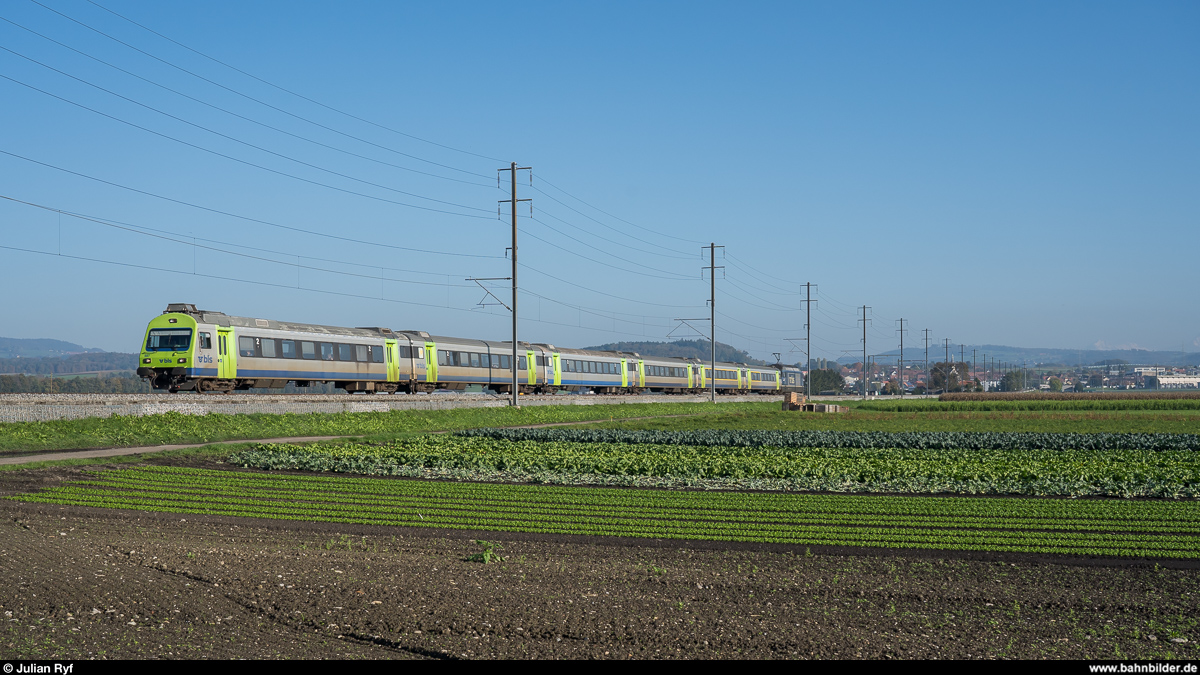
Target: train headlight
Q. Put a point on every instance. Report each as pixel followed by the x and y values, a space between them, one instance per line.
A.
pixel 145 360
pixel 183 360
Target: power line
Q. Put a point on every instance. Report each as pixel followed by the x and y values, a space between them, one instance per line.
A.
pixel 258 166
pixel 246 218
pixel 605 225
pixel 240 116
pixel 251 98
pixel 289 91
pixel 640 227
pixel 191 241
pixel 679 277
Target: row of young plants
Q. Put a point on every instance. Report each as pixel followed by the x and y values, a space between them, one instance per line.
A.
pixel 1187 513
pixel 917 440
pixel 607 512
pixel 1114 473
pixel 813 512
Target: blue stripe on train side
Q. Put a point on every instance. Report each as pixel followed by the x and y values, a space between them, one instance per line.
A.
pixel 308 375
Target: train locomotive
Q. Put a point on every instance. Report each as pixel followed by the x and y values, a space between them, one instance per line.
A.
pixel 187 349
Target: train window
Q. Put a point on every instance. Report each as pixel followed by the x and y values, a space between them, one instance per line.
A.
pixel 169 339
pixel 268 348
pixel 360 353
pixel 474 360
pixel 420 352
pixel 521 365
pixel 632 366
pixel 308 350
pixel 405 352
pixel 206 341
pixel 485 361
pixel 245 346
pixel 288 348
pixel 443 357
pixel 326 351
pixel 462 359
pixel 505 362
pixel 344 353
pixel 376 354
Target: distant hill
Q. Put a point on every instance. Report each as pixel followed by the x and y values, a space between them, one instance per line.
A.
pixel 89 362
pixel 11 348
pixel 688 349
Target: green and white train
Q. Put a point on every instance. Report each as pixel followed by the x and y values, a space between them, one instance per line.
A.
pixel 187 349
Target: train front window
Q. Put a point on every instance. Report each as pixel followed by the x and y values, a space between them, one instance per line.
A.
pixel 169 340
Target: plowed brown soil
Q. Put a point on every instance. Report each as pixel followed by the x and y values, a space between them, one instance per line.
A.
pixel 89 583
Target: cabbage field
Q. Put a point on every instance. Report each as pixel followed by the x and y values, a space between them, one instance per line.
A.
pixel 1065 465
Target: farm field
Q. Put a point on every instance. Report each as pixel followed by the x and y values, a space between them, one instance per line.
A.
pixel 274 550
pixel 1129 465
pixel 175 428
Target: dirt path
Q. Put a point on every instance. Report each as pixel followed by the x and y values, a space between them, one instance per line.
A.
pixel 139 450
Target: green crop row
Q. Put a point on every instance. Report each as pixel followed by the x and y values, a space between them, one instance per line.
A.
pixel 752 517
pixel 1119 473
pixel 1141 511
pixel 918 440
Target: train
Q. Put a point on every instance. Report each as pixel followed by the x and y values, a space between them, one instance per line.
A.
pixel 188 349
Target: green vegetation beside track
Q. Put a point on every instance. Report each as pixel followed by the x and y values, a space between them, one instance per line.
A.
pixel 176 428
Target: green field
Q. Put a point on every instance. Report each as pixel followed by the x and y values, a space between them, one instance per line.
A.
pixel 1151 529
pixel 731 472
pixel 1010 464
pixel 172 428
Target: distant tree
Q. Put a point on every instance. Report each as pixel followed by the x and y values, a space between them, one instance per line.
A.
pixel 977 385
pixel 827 380
pixel 947 376
pixel 919 389
pixel 1055 384
pixel 1012 381
pixel 891 388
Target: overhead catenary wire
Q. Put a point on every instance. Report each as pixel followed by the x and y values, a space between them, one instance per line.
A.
pixel 257 166
pixel 190 239
pixel 245 117
pixel 255 100
pixel 192 242
pixel 248 218
pixel 293 93
pixel 640 227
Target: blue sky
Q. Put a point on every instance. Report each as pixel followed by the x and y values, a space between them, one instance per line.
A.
pixel 1020 173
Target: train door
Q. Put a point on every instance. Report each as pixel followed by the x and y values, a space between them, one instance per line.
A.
pixel 689 369
pixel 226 356
pixel 531 367
pixel 431 362
pixel 624 373
pixel 641 371
pixel 703 377
pixel 557 370
pixel 393 363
